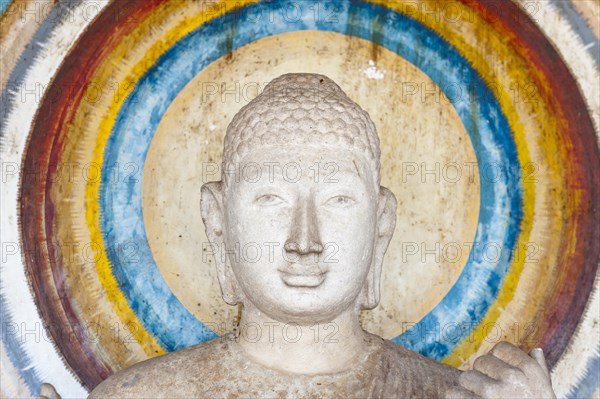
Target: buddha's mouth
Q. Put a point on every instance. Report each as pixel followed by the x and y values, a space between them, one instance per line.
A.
pixel 299 275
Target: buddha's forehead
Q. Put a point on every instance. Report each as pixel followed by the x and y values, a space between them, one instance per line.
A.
pixel 285 164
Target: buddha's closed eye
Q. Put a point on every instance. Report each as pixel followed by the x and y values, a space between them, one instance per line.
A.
pixel 340 201
pixel 269 200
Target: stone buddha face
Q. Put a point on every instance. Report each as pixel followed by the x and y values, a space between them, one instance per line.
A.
pixel 299 223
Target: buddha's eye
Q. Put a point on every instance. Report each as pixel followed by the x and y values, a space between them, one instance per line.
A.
pixel 340 201
pixel 269 200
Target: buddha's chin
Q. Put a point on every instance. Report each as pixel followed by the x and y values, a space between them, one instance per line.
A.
pixel 304 317
pixel 303 306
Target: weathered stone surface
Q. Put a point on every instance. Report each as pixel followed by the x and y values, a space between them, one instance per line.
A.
pixel 220 369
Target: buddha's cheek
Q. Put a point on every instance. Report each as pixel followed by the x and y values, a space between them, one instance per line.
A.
pixel 259 234
pixel 347 256
pixel 257 263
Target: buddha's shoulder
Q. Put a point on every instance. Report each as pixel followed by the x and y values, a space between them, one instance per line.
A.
pixel 412 374
pixel 399 355
pixel 206 370
pixel 183 373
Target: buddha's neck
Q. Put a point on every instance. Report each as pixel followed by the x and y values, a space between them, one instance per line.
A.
pixel 304 349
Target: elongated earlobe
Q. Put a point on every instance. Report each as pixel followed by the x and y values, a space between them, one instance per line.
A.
pixel 386 223
pixel 211 207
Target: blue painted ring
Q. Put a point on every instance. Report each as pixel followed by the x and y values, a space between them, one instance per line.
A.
pixel 160 311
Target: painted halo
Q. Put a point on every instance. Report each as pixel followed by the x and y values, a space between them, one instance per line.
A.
pixel 109 182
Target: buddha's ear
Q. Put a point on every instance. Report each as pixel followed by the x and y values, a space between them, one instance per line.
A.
pixel 386 222
pixel 212 208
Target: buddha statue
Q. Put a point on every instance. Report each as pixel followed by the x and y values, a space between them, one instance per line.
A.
pixel 301 188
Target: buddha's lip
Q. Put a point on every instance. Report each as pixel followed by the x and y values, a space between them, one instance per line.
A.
pixel 298 275
pixel 298 269
pixel 299 280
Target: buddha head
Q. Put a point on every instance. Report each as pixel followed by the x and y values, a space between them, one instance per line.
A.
pixel 299 222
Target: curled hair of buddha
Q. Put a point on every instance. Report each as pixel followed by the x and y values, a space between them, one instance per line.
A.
pixel 302 109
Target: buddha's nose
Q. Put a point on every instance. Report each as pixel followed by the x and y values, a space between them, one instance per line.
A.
pixel 304 235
